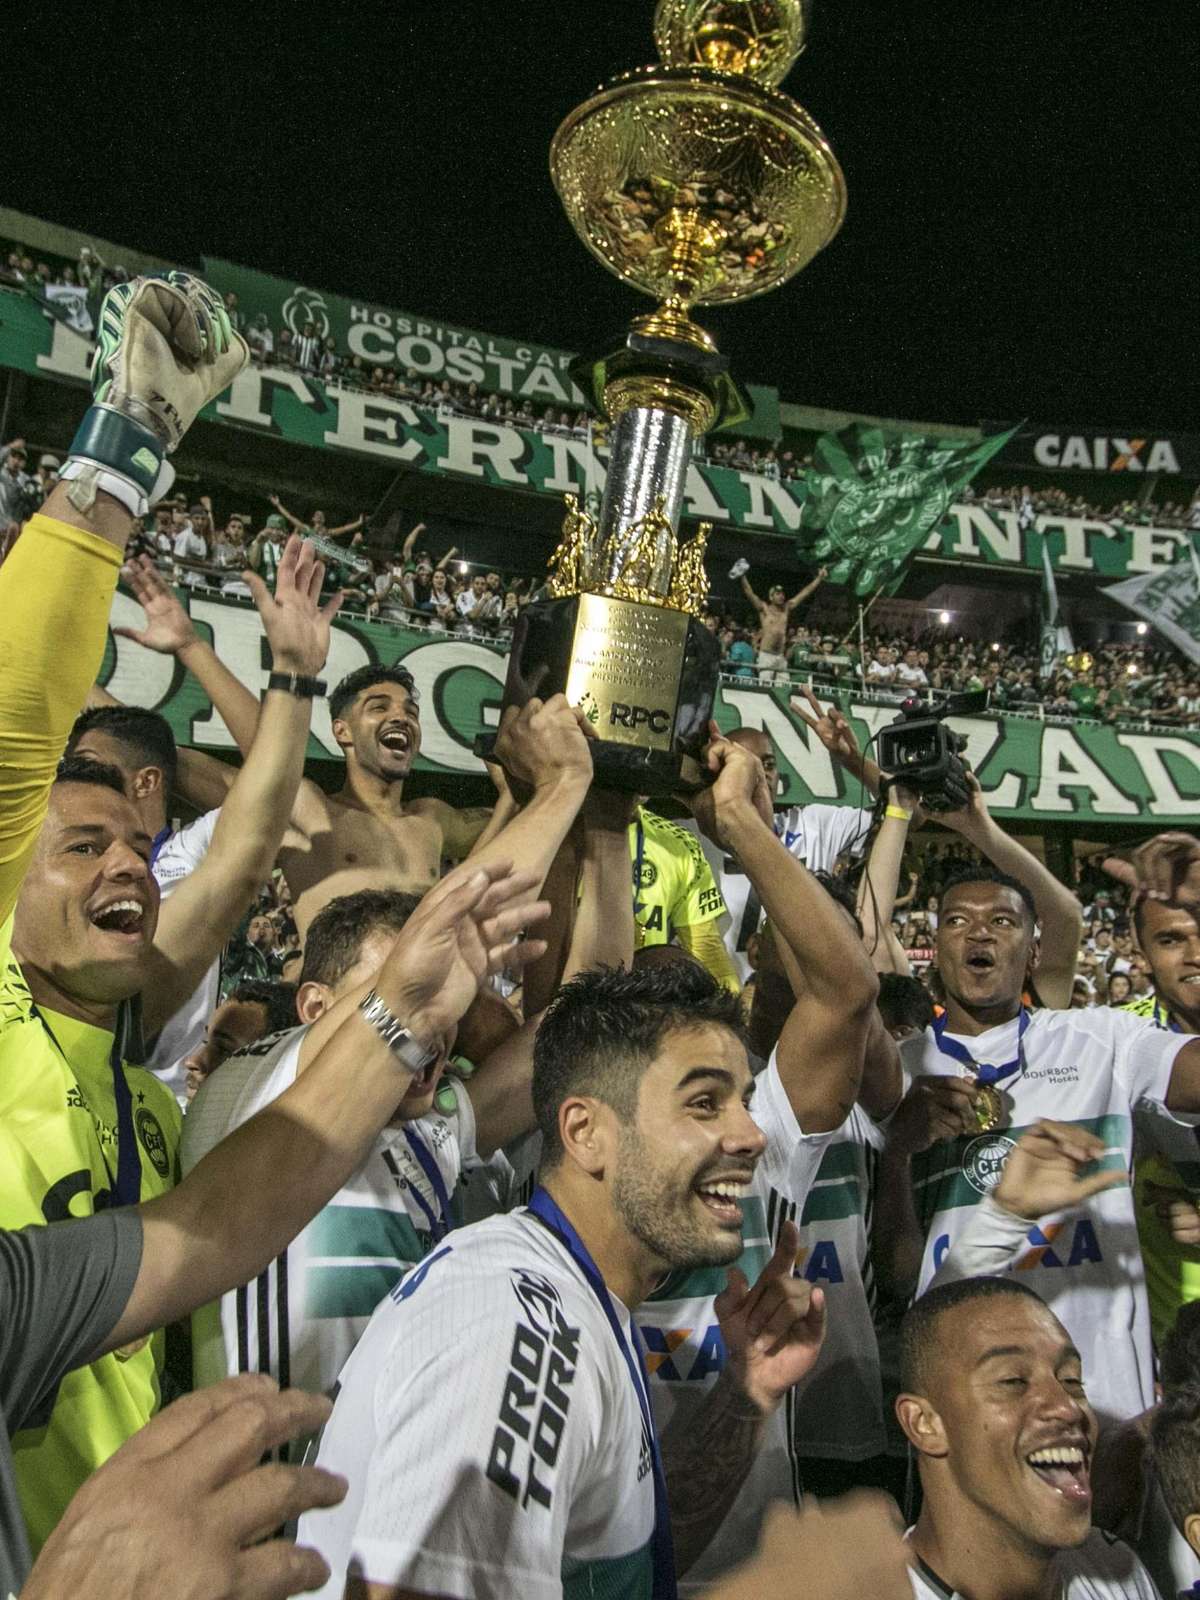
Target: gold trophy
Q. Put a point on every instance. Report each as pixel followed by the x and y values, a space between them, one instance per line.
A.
pixel 697 182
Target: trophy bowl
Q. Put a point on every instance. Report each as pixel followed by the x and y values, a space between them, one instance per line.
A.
pixel 695 184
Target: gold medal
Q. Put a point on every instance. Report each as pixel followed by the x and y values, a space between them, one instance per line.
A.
pixel 988 1104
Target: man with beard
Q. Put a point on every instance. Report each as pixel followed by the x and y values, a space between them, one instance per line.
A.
pixel 493 1421
pixel 993 1402
pixel 989 1069
pixel 309 1309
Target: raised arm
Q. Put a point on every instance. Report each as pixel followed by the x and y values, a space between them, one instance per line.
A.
pixel 835 733
pixel 447 558
pixel 821 1049
pixel 1058 910
pixel 810 587
pixel 196 1245
pixel 602 936
pixel 169 630
pixel 346 527
pixel 284 512
pixel 750 594
pixel 410 542
pixel 166 350
pixel 877 887
pixel 199 917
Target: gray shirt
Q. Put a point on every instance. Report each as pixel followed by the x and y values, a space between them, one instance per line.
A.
pixel 62 1291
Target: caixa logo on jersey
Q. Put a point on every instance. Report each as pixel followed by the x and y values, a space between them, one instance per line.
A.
pixel 655 719
pixel 537 1394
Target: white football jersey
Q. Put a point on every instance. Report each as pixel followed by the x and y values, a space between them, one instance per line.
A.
pixel 303 1316
pixel 176 859
pixel 685 1352
pixel 838 1410
pixel 490 1432
pixel 1101 1569
pixel 816 835
pixel 1091 1068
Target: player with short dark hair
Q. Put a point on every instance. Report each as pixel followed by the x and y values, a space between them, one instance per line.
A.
pixel 993 1402
pixel 991 1067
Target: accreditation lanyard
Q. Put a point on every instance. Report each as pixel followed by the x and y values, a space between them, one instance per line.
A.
pixel 439 1224
pixel 127 1184
pixel 985 1072
pixel 553 1219
pixel 637 869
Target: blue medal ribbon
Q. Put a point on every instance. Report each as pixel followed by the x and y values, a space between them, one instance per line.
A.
pixel 126 1183
pixel 440 1225
pixel 156 844
pixel 554 1220
pixel 985 1072
pixel 637 870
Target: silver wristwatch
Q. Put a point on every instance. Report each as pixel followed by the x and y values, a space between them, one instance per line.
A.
pixel 408 1050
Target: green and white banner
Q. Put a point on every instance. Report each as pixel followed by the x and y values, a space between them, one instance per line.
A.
pixel 1030 770
pixel 1169 600
pixel 284 405
pixel 871 499
pixel 432 349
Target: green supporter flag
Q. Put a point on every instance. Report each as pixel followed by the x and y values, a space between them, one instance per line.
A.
pixel 871 499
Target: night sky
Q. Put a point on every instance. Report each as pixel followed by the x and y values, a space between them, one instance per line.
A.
pixel 1021 237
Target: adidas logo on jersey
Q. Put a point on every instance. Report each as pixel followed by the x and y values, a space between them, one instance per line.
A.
pixel 645 1459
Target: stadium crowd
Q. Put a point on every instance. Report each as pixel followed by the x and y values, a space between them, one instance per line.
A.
pixel 193 545
pixel 308 350
pixel 602 1203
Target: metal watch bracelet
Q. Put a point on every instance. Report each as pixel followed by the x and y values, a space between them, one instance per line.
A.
pixel 407 1049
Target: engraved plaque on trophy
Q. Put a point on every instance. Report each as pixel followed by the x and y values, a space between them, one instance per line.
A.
pixel 698 182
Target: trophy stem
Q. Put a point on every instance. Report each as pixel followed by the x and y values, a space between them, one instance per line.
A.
pixel 650 451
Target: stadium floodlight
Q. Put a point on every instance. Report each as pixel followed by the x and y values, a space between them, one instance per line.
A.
pixel 943 617
pixel 1143 627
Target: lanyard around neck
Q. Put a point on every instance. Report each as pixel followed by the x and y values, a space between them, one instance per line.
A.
pixel 986 1072
pixel 637 869
pixel 555 1221
pixel 126 1184
pixel 439 1223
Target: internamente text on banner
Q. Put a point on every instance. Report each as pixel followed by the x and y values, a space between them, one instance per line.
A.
pixel 293 407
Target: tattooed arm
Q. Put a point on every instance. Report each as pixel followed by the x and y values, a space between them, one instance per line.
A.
pixel 772 1333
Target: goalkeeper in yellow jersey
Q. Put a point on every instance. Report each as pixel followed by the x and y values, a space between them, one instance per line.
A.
pixel 87 961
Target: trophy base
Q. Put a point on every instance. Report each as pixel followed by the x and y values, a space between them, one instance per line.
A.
pixel 644 676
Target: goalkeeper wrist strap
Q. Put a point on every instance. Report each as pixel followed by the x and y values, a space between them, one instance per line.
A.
pixel 111 452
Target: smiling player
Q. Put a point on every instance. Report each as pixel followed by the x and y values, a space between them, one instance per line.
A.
pixel 367 836
pixel 993 1402
pixel 990 1069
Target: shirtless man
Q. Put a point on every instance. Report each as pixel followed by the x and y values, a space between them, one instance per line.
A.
pixel 774 614
pixel 364 836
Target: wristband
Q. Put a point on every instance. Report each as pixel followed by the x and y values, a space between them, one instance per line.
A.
pixel 304 688
pixel 899 813
pixel 408 1050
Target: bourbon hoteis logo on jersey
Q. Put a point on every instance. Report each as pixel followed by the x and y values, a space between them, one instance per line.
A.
pixel 537 1393
pixel 983 1160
